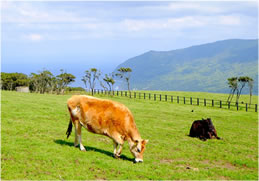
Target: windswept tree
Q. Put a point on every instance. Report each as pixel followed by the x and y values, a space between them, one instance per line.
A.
pixel 103 85
pixel 236 84
pixel 124 73
pixel 91 76
pixel 251 85
pixel 233 85
pixel 109 81
pixel 63 80
pixel 242 81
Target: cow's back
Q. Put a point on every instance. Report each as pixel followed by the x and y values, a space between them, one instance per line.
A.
pixel 196 128
pixel 106 117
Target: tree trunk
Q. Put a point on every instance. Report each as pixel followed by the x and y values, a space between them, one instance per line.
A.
pixel 128 86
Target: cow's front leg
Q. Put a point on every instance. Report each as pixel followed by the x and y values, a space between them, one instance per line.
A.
pixel 119 150
pixel 117 141
pixel 78 138
pixel 115 149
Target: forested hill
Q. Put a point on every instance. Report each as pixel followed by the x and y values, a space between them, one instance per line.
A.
pixel 198 68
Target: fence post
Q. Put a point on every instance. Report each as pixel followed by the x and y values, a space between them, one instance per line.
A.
pixel 139 95
pixel 255 107
pixel 98 91
pixel 160 97
pixel 212 103
pixel 172 98
pixel 126 93
pixel 178 99
pixel 134 94
pixel 220 104
pixel 204 102
pixel 154 97
pixel 237 106
pixel 228 105
pixel 130 94
pixel 190 100
pixel 149 96
pixel 184 100
pixel 165 97
pixel 198 102
pixel 144 95
pixel 246 107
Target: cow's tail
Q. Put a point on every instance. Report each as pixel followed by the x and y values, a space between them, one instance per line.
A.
pixel 69 129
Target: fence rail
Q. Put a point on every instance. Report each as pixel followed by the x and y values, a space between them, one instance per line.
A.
pixel 182 100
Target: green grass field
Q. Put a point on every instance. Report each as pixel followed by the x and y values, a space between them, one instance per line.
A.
pixel 34 144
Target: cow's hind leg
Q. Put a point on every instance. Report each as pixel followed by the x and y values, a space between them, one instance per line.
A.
pixel 78 138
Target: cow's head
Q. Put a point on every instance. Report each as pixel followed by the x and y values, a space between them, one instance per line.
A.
pixel 138 150
pixel 211 127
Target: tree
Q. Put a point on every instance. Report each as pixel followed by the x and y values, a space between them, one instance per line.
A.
pixel 236 84
pixel 251 85
pixel 9 81
pixel 232 84
pixel 63 80
pixel 124 73
pixel 242 81
pixel 34 82
pixel 109 81
pixel 91 76
pixel 53 84
pixel 41 82
pixel 44 80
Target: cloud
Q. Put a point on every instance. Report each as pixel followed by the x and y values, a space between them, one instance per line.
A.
pixel 38 12
pixel 34 37
pixel 86 20
pixel 229 20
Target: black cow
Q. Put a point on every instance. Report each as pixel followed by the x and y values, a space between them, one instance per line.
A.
pixel 203 129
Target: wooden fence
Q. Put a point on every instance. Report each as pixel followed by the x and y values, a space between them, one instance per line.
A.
pixel 182 100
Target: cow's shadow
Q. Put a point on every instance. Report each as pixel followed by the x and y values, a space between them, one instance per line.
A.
pixel 89 148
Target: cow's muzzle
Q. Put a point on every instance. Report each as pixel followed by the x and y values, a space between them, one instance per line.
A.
pixel 137 160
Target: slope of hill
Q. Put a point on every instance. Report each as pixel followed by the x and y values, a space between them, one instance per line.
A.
pixel 198 68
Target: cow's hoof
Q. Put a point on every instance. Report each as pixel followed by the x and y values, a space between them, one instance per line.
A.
pixel 82 149
pixel 138 160
pixel 116 156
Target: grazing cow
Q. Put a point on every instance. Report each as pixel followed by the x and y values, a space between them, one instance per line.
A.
pixel 107 118
pixel 203 129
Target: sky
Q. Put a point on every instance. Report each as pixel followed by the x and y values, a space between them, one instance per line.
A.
pixel 76 36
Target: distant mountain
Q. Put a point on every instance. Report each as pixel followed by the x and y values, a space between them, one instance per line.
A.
pixel 198 68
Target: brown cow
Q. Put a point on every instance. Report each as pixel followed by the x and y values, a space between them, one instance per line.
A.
pixel 107 118
pixel 203 129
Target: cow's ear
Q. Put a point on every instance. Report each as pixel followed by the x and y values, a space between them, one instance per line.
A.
pixel 144 142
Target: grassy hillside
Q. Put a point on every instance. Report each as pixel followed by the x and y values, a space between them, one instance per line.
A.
pixel 198 68
pixel 34 145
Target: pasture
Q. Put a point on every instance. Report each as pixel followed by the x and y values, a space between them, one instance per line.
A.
pixel 34 144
